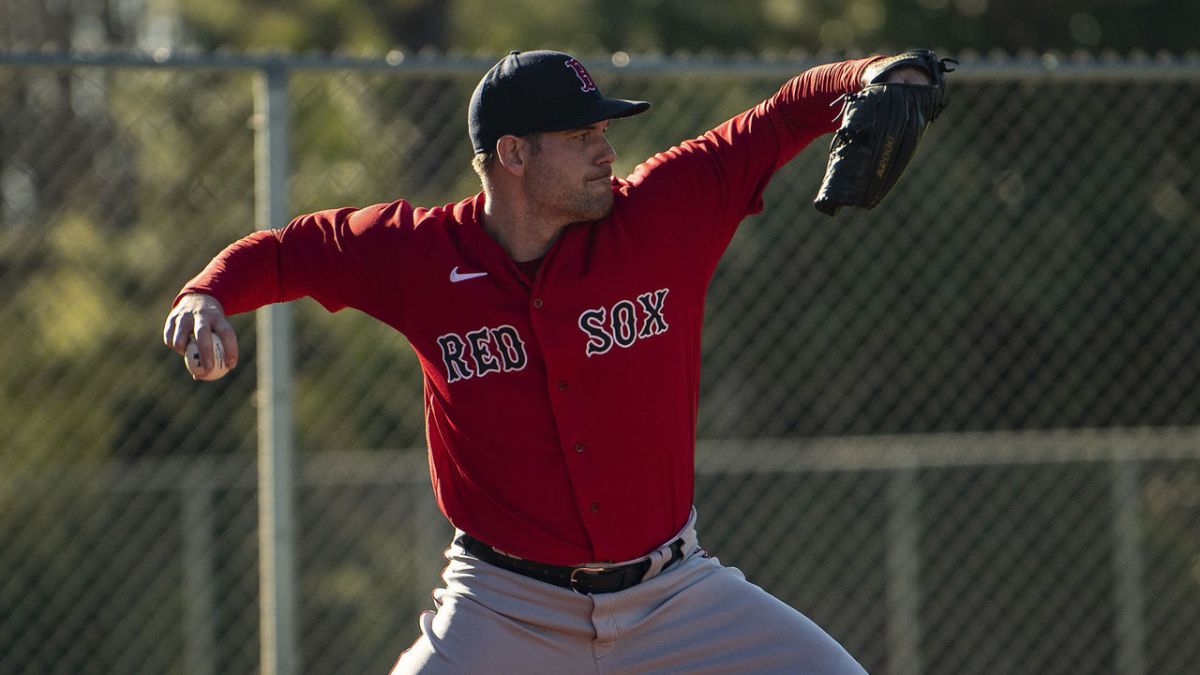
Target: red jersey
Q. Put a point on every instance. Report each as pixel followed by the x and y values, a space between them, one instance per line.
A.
pixel 560 409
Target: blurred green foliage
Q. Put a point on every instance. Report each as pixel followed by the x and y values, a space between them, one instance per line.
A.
pixel 752 26
pixel 589 26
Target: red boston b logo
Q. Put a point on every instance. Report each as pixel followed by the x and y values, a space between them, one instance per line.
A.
pixel 582 74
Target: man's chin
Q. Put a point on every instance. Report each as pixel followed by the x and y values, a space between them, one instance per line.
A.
pixel 597 209
pixel 603 212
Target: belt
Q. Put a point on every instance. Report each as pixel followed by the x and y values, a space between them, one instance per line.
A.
pixel 584 579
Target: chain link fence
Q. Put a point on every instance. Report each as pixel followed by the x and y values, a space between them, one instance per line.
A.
pixel 960 431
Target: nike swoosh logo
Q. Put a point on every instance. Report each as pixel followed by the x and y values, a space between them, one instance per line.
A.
pixel 456 276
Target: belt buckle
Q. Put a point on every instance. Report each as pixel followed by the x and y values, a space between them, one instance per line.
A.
pixel 571 581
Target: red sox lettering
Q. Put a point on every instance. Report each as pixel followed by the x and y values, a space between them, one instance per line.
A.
pixel 501 349
pixel 620 324
pixel 483 351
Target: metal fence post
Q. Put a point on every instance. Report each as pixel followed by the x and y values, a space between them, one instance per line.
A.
pixel 1130 592
pixel 276 485
pixel 903 573
pixel 199 594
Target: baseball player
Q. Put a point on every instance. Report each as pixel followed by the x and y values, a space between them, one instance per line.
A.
pixel 557 319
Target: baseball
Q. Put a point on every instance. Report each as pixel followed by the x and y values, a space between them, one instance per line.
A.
pixel 192 359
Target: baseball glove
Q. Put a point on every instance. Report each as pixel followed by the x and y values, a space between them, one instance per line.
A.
pixel 882 125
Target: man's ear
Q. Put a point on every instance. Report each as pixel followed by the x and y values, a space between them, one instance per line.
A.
pixel 512 152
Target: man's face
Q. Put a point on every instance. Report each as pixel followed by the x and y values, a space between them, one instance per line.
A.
pixel 570 177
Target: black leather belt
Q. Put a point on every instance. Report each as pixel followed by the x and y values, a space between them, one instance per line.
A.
pixel 582 579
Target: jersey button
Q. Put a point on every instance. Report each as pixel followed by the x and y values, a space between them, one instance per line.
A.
pixel 579 447
pixel 562 385
pixel 594 507
pixel 537 303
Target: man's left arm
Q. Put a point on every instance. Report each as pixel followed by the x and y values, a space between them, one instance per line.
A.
pixel 808 102
pixel 805 107
pixel 696 193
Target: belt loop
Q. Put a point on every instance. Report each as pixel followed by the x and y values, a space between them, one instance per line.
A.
pixel 658 558
pixel 690 542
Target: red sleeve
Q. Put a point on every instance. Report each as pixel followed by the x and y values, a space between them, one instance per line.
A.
pixel 327 255
pixel 704 187
pixel 243 277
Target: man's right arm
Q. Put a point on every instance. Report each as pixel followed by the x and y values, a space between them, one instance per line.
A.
pixel 328 255
pixel 245 275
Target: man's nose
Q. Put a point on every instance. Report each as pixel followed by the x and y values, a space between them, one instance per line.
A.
pixel 608 154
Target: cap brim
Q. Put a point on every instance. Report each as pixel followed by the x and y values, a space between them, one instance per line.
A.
pixel 607 109
pixel 619 107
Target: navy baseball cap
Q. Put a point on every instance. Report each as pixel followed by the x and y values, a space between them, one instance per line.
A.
pixel 528 92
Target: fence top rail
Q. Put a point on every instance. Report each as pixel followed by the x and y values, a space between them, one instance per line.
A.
pixel 713 457
pixel 973 67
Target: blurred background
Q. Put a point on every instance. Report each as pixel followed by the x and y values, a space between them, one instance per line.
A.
pixel 959 431
pixel 751 27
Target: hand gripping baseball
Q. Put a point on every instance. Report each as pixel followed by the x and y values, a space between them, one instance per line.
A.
pixel 882 125
pixel 198 321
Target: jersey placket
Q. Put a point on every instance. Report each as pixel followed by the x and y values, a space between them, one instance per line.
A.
pixel 554 328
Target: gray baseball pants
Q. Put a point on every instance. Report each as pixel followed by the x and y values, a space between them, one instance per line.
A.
pixel 697 616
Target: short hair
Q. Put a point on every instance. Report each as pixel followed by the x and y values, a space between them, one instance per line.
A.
pixel 484 161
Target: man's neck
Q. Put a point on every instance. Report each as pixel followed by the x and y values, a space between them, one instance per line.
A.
pixel 521 234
